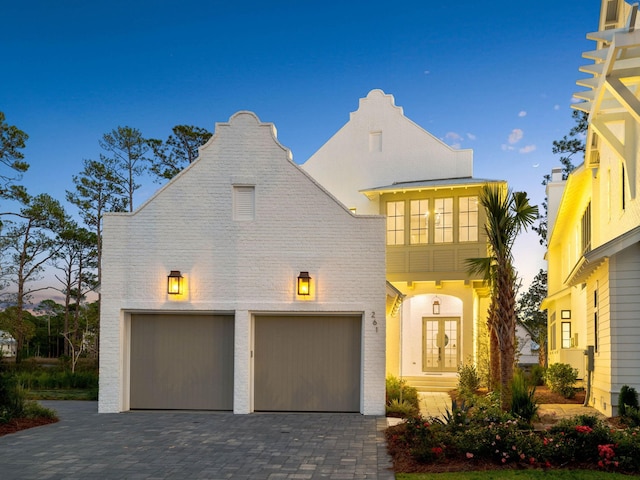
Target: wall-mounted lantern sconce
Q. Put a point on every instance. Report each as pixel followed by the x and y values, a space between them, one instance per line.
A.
pixel 174 283
pixel 436 306
pixel 304 283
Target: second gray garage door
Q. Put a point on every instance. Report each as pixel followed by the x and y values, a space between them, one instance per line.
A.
pixel 307 363
pixel 181 362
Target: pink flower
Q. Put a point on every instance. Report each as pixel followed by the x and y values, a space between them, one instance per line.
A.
pixel 497 437
pixel 469 455
pixel 504 460
pixel 532 460
pixel 522 456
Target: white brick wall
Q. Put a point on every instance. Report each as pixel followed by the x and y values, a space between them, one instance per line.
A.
pixel 241 267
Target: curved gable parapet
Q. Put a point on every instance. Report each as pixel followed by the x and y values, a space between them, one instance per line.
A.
pixel 379 145
pixel 374 98
pixel 248 120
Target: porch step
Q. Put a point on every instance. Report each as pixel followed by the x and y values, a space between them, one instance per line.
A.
pixel 433 382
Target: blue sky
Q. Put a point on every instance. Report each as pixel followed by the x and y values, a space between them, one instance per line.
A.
pixel 495 77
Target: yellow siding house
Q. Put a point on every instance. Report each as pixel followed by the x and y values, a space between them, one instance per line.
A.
pixel 594 221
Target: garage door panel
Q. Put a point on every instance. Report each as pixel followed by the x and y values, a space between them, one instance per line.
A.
pixel 307 363
pixel 181 362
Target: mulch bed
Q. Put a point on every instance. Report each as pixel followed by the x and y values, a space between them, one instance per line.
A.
pixel 543 395
pixel 18 424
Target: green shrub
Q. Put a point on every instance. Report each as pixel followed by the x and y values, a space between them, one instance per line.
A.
pixel 12 398
pixel 35 410
pixel 631 417
pixel 628 398
pixel 56 379
pixel 403 394
pixel 468 379
pixel 523 404
pixel 536 376
pixel 401 408
pixel 560 378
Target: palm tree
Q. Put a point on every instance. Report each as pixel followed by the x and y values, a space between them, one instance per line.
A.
pixel 508 213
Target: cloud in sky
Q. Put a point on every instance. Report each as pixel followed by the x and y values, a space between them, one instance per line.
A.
pixel 556 107
pixel 453 136
pixel 471 136
pixel 527 149
pixel 515 136
pixel 522 113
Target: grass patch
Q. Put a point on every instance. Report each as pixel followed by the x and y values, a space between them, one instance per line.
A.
pixel 518 474
pixel 71 394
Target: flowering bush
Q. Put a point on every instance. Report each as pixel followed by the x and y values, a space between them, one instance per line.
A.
pixel 486 433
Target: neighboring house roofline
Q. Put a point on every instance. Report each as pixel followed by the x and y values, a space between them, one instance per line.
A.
pixel 546 303
pixel 572 190
pixel 590 261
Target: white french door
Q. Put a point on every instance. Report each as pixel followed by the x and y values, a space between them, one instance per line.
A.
pixel 440 344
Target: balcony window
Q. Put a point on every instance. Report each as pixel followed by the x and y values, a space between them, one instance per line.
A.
pixel 395 223
pixel 419 221
pixel 468 219
pixel 443 220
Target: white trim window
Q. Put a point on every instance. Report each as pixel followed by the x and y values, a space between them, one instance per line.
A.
pixel 468 219
pixel 395 223
pixel 443 220
pixel 419 221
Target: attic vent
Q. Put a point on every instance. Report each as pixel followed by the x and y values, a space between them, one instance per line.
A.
pixel 375 141
pixel 244 203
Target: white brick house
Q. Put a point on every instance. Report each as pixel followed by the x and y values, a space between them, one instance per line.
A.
pixel 240 225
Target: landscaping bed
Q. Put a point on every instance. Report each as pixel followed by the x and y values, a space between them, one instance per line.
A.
pixel 17 424
pixel 485 438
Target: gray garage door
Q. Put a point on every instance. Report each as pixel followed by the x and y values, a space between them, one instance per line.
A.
pixel 307 363
pixel 181 362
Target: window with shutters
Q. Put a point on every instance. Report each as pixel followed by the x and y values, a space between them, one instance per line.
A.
pixel 244 205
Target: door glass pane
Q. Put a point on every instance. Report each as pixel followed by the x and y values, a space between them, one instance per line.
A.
pixel 431 344
pixel 450 344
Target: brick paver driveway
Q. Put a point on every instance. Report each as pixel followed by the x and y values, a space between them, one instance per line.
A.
pixel 196 445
